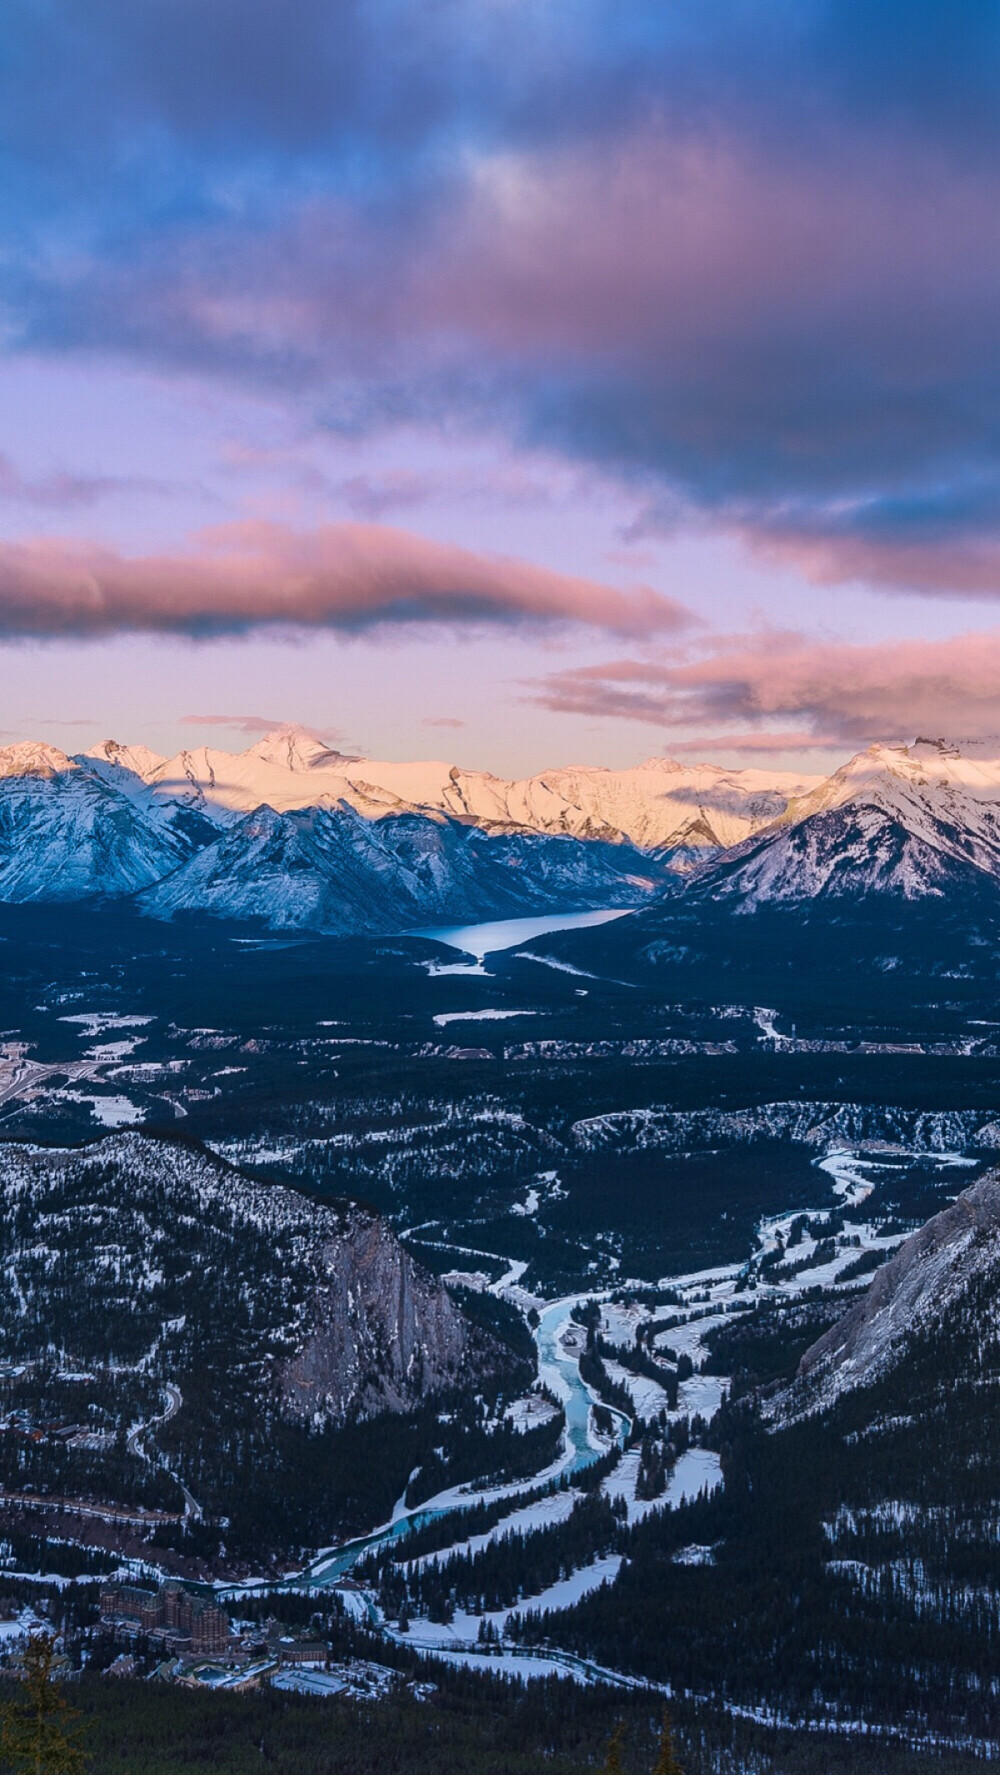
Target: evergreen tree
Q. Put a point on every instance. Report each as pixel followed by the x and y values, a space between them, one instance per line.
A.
pixel 666 1761
pixel 36 1736
pixel 613 1760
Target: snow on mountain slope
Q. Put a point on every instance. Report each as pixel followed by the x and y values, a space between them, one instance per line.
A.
pixel 928 1281
pixel 329 868
pixel 65 835
pixel 293 749
pixel 221 786
pixel 33 758
pixel 658 805
pixel 908 822
pixel 131 760
pixel 930 773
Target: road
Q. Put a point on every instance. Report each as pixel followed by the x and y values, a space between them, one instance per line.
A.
pixel 174 1400
pixel 18 1077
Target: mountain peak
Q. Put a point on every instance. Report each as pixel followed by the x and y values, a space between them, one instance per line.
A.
pixel 294 748
pixel 33 758
pixel 141 761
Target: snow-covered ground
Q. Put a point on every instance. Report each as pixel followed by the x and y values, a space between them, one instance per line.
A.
pixel 490 1015
pixel 705 1300
pixel 96 1022
pixel 464 1628
pixel 111 1112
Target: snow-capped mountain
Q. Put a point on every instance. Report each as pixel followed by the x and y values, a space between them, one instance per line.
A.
pixel 908 822
pixel 659 805
pixel 33 758
pixel 330 868
pixel 65 834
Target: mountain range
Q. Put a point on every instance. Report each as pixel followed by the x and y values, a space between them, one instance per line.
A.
pixel 294 835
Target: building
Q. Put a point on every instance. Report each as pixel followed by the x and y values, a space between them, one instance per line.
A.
pixel 170 1613
pixel 304 1651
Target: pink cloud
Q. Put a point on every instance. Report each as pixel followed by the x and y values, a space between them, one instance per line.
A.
pixel 442 721
pixel 757 744
pixel 347 576
pixel 261 724
pixel 843 692
pixel 967 567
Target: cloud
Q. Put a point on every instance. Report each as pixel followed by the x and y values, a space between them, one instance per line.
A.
pixel 942 549
pixel 64 489
pixel 442 721
pixel 756 744
pixel 344 576
pixel 255 726
pixel 774 345
pixel 843 693
pixel 741 257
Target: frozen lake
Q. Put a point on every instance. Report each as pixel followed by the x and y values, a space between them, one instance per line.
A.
pixel 480 940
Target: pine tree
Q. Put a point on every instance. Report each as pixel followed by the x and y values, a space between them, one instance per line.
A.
pixel 613 1760
pixel 666 1761
pixel 36 1736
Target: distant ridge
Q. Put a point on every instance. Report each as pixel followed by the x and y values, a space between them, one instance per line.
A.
pixel 293 834
pixel 658 805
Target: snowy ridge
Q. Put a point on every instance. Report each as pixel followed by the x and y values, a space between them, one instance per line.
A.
pixel 334 1316
pixel 910 822
pixel 658 805
pixel 914 1292
pixel 817 1124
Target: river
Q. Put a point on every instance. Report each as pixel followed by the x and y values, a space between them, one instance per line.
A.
pixel 712 1294
pixel 559 1371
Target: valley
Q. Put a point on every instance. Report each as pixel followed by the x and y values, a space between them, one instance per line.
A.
pixel 684 1193
pixel 443 1291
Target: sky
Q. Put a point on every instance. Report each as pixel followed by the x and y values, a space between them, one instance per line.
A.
pixel 510 381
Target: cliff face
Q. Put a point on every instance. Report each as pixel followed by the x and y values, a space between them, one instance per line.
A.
pixel 921 1287
pixel 154 1254
pixel 383 1334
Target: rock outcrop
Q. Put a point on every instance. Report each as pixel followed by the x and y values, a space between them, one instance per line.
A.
pixel 917 1289
pixel 153 1253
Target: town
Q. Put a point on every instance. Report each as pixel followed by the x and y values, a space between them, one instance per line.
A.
pixel 175 1635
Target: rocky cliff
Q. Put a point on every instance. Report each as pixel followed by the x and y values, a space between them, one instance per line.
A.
pixel 154 1254
pixel 926 1285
